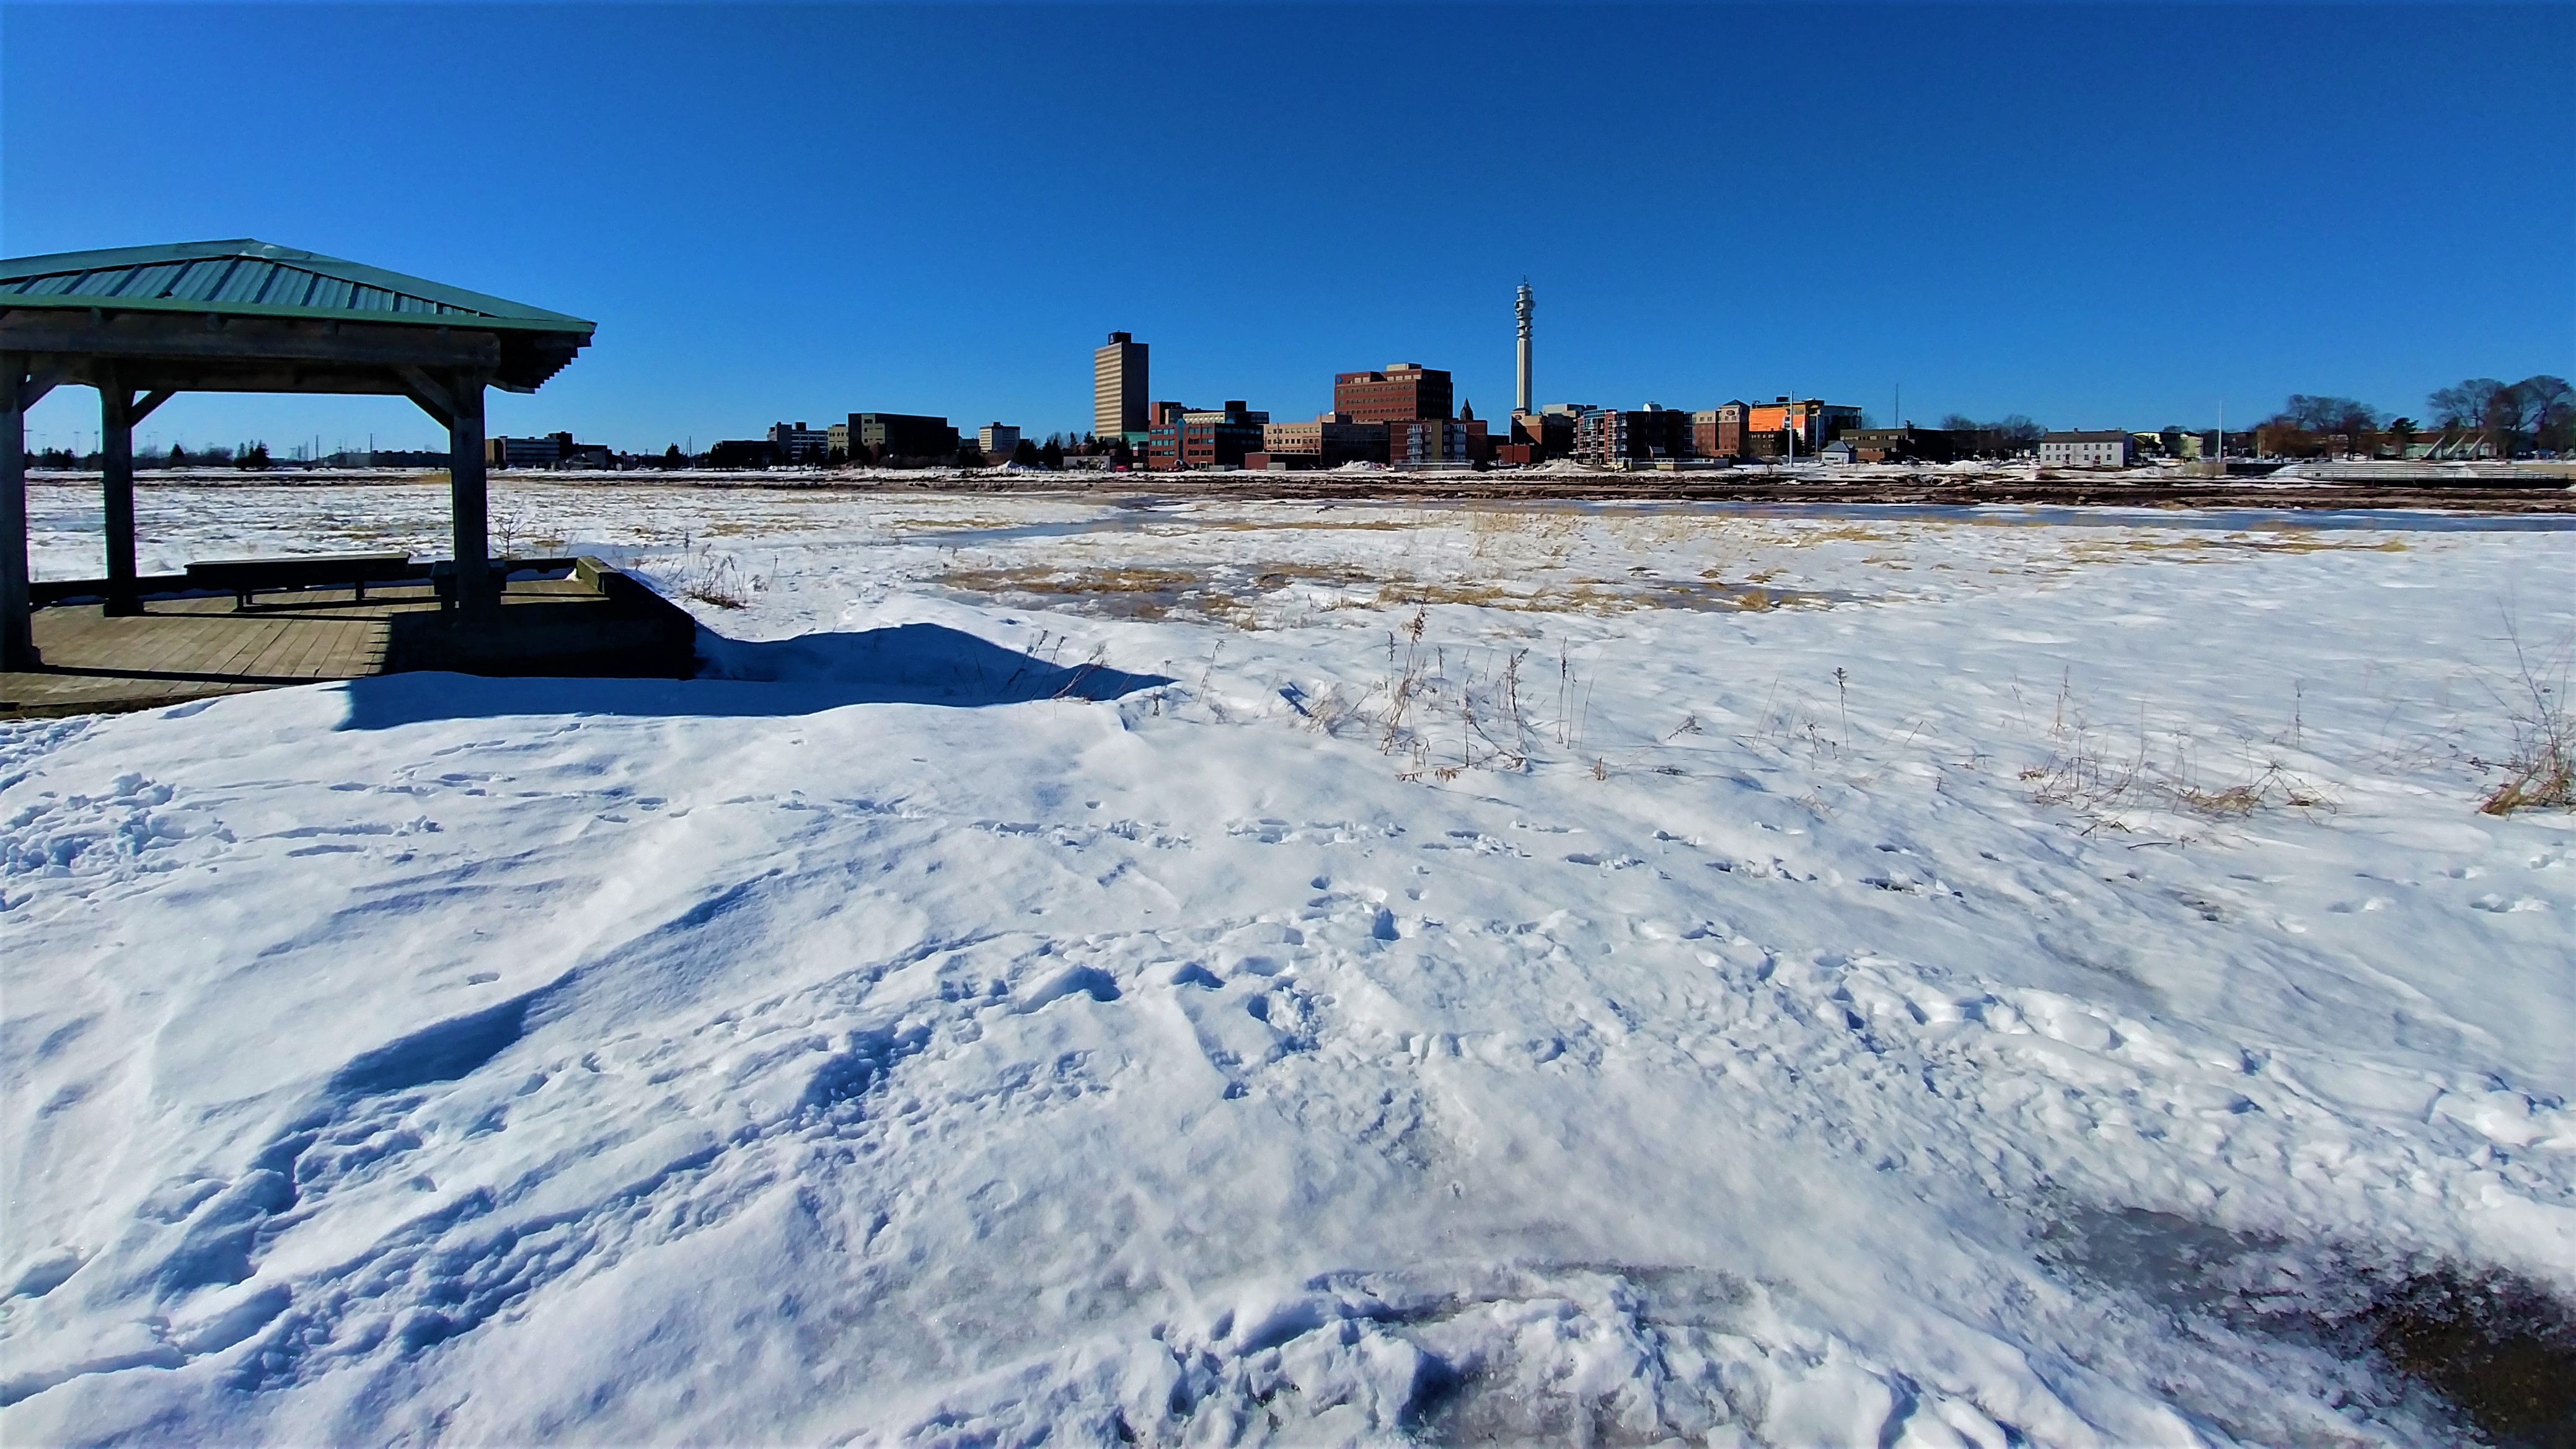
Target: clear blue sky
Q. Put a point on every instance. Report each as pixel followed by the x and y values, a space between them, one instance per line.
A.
pixel 2096 215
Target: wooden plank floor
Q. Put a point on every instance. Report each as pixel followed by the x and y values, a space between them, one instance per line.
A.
pixel 183 649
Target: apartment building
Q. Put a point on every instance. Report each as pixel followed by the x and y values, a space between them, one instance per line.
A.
pixel 996 440
pixel 1612 438
pixel 1431 442
pixel 2088 450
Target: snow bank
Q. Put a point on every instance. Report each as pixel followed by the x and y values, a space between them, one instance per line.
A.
pixel 1249 973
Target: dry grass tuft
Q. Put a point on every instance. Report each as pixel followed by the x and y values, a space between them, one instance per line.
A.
pixel 713 579
pixel 2086 771
pixel 2540 769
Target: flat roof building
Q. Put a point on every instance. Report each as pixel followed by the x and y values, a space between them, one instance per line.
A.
pixel 1404 390
pixel 996 440
pixel 1718 432
pixel 1331 440
pixel 1813 422
pixel 1118 387
pixel 798 443
pixel 554 450
pixel 902 435
pixel 1432 442
pixel 1612 438
pixel 1204 438
pixel 2088 450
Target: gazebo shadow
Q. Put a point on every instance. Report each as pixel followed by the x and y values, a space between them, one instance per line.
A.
pixel 902 664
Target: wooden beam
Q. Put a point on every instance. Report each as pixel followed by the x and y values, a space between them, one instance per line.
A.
pixel 478 594
pixel 155 399
pixel 17 633
pixel 116 489
pixel 174 336
pixel 431 394
pixel 289 377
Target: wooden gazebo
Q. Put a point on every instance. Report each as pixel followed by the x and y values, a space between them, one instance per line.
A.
pixel 142 323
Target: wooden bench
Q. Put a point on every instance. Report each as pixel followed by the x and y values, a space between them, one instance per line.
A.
pixel 247 576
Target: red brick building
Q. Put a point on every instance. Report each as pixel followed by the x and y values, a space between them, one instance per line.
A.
pixel 1404 391
pixel 1718 432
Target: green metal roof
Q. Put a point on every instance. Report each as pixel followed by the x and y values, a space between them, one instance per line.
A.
pixel 256 279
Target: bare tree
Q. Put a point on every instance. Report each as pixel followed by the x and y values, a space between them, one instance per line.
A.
pixel 2466 405
pixel 2322 414
pixel 2547 411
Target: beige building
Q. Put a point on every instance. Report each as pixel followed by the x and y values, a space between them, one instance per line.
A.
pixel 1331 440
pixel 1118 386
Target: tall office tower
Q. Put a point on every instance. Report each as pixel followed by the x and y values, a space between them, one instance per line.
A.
pixel 1522 308
pixel 1118 387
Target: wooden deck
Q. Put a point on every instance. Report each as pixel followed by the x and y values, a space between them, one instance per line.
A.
pixel 182 649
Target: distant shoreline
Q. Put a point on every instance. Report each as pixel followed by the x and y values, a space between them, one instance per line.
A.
pixel 2490 488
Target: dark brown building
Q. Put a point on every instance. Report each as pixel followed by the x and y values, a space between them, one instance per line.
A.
pixel 1181 439
pixel 1404 391
pixel 1537 437
pixel 1910 444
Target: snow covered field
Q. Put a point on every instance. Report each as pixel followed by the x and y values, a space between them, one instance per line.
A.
pixel 1237 972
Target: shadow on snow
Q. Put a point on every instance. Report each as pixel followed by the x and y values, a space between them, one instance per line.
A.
pixel 903 664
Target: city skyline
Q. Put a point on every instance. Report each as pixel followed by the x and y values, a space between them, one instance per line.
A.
pixel 2161 251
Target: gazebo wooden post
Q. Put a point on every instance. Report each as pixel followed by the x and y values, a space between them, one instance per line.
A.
pixel 17 638
pixel 478 597
pixel 116 486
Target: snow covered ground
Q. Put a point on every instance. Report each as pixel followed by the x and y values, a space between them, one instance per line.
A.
pixel 1235 972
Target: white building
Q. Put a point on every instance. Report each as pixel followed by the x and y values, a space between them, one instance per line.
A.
pixel 2088 450
pixel 997 439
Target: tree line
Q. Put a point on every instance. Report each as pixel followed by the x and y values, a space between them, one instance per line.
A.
pixel 2478 416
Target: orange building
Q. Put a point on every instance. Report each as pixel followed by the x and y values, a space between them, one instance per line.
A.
pixel 1815 421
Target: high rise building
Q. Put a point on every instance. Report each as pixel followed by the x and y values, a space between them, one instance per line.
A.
pixel 1118 389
